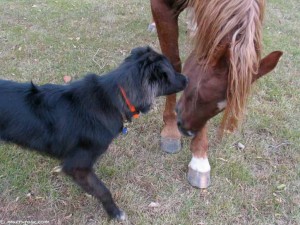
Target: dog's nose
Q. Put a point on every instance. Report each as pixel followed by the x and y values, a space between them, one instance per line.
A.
pixel 186 81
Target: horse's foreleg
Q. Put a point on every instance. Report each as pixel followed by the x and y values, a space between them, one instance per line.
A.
pixel 170 135
pixel 199 168
pixel 167 28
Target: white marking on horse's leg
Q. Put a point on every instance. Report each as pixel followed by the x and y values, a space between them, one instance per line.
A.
pixel 221 105
pixel 200 164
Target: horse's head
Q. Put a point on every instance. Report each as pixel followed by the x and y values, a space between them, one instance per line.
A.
pixel 225 62
pixel 206 93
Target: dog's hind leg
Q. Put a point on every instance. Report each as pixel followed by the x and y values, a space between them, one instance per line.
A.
pixel 88 181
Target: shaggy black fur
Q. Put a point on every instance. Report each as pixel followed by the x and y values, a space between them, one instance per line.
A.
pixel 77 122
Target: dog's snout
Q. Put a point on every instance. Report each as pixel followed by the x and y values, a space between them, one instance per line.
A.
pixel 186 81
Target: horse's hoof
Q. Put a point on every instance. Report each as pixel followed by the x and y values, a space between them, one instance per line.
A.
pixel 198 179
pixel 121 216
pixel 170 145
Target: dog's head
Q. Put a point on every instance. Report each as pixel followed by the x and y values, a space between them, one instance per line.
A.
pixel 151 75
pixel 157 72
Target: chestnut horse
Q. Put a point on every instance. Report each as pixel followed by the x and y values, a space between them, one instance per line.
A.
pixel 224 62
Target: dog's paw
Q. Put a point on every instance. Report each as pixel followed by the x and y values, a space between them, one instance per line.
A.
pixel 57 169
pixel 121 216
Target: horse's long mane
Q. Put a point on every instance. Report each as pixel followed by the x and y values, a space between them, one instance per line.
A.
pixel 235 26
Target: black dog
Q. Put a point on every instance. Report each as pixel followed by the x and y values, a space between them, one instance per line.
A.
pixel 77 122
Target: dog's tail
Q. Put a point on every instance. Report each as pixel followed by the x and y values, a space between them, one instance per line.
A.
pixel 33 88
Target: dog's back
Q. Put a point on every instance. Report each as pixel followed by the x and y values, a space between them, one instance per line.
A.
pixel 22 119
pixel 55 119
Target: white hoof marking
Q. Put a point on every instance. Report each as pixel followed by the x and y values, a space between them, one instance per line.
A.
pixel 199 164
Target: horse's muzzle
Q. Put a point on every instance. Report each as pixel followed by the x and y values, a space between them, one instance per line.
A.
pixel 183 131
pixel 180 127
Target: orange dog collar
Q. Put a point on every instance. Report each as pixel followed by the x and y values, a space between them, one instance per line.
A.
pixel 130 106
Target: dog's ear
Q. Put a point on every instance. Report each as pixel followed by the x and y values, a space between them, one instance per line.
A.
pixel 139 51
pixel 147 52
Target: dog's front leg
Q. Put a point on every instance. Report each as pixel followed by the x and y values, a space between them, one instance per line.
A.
pixel 88 181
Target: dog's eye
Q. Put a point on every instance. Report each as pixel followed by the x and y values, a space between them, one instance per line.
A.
pixel 159 77
pixel 164 76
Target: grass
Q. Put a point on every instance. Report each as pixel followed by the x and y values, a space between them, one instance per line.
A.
pixel 45 40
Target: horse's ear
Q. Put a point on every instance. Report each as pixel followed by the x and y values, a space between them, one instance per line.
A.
pixel 267 64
